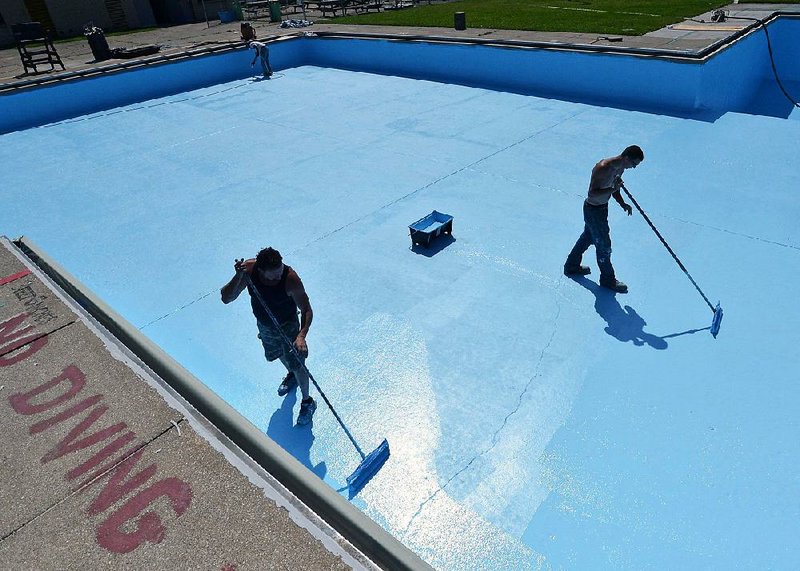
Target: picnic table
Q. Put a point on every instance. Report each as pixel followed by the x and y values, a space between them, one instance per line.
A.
pixel 329 6
pixel 253 9
pixel 341 7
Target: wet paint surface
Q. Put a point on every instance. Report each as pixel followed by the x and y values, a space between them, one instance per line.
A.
pixel 535 421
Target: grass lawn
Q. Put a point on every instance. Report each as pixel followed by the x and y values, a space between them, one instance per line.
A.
pixel 629 17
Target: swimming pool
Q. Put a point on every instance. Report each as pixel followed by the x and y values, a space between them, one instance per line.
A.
pixel 535 421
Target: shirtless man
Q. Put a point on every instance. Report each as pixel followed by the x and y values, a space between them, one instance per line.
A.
pixel 282 290
pixel 606 182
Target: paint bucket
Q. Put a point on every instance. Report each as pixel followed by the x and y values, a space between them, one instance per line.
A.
pixel 226 16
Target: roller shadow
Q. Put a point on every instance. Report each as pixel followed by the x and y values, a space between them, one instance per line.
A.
pixel 622 324
pixel 687 332
pixel 296 440
pixel 439 244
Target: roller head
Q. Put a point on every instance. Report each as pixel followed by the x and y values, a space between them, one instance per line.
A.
pixel 716 321
pixel 369 466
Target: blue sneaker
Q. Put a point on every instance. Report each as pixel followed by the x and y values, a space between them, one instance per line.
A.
pixel 289 382
pixel 306 411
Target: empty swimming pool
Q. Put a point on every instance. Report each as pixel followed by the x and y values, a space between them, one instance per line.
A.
pixel 535 421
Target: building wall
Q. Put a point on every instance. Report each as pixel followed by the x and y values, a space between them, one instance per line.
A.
pixel 139 13
pixel 212 7
pixel 70 16
pixel 13 12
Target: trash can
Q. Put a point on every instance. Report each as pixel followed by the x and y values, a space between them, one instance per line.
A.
pixel 97 42
pixel 460 21
pixel 274 11
pixel 226 16
pixel 237 10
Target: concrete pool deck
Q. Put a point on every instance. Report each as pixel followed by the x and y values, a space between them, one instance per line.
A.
pixel 167 432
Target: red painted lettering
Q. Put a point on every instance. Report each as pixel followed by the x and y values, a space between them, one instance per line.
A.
pixel 11 339
pixel 21 402
pixel 107 451
pixel 62 416
pixel 149 527
pixel 68 444
pixel 117 487
pixel 12 277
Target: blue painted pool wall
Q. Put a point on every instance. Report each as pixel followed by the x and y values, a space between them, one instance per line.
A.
pixel 728 81
pixel 734 77
pixel 785 35
pixel 48 104
pixel 590 77
pixel 731 78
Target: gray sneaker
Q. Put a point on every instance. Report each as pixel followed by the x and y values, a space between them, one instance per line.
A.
pixel 614 285
pixel 306 411
pixel 289 382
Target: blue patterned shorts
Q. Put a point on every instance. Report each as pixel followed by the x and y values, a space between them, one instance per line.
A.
pixel 274 345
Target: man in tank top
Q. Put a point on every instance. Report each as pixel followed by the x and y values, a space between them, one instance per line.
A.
pixel 606 182
pixel 282 290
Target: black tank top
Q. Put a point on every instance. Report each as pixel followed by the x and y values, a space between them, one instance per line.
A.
pixel 279 302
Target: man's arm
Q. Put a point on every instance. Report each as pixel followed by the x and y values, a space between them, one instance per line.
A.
pixel 231 290
pixel 294 287
pixel 621 201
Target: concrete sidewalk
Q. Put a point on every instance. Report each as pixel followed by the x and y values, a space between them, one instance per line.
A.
pixel 103 466
pixel 689 36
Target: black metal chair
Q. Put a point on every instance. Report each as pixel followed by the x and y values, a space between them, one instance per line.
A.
pixel 35 46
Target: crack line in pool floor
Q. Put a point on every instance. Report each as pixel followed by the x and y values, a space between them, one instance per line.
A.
pixel 128 108
pixel 683 220
pixel 496 435
pixel 174 311
pixel 387 205
pixel 438 180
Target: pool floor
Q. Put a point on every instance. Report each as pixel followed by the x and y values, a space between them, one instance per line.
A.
pixel 535 421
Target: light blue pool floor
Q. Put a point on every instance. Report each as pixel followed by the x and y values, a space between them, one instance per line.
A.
pixel 534 421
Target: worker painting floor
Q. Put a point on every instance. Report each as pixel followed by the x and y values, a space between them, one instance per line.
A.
pixel 535 421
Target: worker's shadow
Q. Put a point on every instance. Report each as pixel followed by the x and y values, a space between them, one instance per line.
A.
pixel 296 440
pixel 623 324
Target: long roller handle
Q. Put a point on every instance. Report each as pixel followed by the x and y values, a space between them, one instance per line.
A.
pixel 660 237
pixel 302 362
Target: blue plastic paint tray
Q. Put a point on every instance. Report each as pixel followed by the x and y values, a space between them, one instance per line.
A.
pixel 424 230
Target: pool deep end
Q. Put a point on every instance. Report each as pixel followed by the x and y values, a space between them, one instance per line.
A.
pixel 735 78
